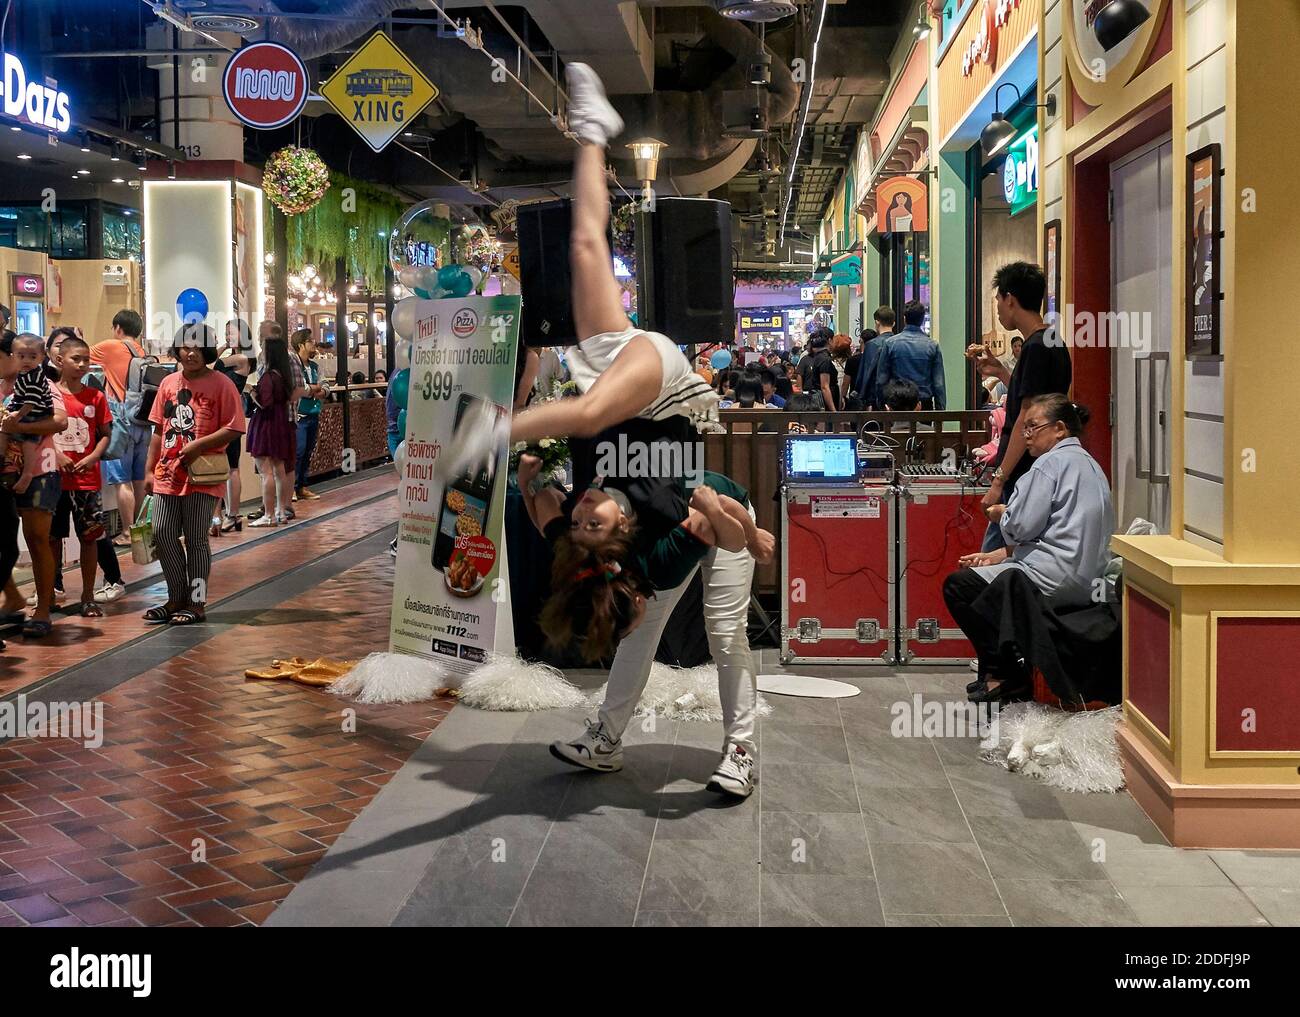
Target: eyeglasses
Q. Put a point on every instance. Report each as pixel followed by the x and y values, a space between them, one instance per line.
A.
pixel 1029 429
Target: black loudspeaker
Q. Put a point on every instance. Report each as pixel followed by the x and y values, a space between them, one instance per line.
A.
pixel 543 232
pixel 684 278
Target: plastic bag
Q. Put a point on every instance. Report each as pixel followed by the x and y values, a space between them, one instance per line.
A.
pixel 143 550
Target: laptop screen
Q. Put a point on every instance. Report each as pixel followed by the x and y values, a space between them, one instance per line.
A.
pixel 825 458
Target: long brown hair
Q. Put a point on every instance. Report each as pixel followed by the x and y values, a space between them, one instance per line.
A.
pixel 592 596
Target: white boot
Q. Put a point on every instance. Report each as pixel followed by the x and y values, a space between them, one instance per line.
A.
pixel 591 117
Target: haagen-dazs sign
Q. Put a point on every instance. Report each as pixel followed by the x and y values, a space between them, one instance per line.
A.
pixel 37 102
pixel 983 49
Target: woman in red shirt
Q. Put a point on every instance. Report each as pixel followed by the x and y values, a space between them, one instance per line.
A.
pixel 196 412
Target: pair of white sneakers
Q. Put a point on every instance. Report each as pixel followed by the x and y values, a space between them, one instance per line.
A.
pixel 597 749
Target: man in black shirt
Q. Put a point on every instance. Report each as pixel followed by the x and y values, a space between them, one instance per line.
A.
pixel 1043 367
pixel 818 371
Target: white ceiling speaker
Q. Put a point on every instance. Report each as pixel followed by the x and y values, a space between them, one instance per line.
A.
pixel 756 10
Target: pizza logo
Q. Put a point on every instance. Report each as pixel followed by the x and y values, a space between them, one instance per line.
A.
pixel 464 323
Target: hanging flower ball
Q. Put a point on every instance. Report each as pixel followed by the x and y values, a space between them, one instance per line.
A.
pixel 295 179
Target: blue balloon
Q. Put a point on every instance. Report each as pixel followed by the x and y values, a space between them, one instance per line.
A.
pixel 400 384
pixel 192 305
pixel 463 285
pixel 720 360
pixel 447 275
pixel 401 424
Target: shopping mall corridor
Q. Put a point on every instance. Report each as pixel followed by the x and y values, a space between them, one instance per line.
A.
pixel 219 801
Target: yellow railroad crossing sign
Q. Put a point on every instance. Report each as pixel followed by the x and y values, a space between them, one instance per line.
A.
pixel 511 262
pixel 378 91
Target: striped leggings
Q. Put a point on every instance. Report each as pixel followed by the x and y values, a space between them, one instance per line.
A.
pixel 185 568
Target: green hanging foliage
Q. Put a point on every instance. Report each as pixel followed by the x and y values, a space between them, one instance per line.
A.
pixel 360 233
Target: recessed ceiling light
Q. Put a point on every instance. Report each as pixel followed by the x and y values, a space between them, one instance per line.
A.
pixel 15 128
pixel 83 172
pixel 118 180
pixel 23 155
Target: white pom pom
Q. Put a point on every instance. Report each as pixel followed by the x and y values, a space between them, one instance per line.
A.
pixel 681 693
pixel 508 683
pixel 1070 751
pixel 391 678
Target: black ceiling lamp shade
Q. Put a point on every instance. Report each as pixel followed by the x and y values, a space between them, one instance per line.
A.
pixel 999 132
pixel 1118 20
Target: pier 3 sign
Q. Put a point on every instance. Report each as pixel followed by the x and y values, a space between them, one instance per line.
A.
pixel 378 91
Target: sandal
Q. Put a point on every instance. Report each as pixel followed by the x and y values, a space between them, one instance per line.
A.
pixel 89 609
pixel 187 616
pixel 159 614
pixel 35 628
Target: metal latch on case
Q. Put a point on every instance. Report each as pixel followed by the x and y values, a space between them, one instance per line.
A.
pixel 927 630
pixel 810 630
pixel 868 630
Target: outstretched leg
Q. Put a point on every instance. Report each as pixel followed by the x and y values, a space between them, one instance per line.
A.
pixel 597 298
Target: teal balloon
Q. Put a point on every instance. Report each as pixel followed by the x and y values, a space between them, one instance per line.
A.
pixel 424 294
pixel 631 316
pixel 401 423
pixel 400 383
pixel 463 286
pixel 720 360
pixel 448 275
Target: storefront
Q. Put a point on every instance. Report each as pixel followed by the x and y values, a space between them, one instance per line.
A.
pixel 986 64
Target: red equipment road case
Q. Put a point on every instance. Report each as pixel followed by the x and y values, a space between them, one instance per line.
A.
pixel 837 568
pixel 939 520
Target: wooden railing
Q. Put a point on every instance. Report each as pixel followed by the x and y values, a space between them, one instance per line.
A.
pixel 749 452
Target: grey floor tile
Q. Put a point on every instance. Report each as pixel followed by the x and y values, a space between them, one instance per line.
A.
pixel 1192 905
pixel 478 870
pixel 695 814
pixel 699 876
pixel 799 787
pixel 1280 904
pixel 1057 902
pixel 822 843
pixel 467 733
pixel 934 879
pixel 694 919
pixel 453 917
pixel 1260 868
pixel 986 790
pixel 948 921
pixel 341 896
pixel 1034 849
pixel 881 760
pixel 804 900
pixel 558 894
pixel 792 710
pixel 1116 818
pixel 804 743
pixel 1163 866
pixel 913 815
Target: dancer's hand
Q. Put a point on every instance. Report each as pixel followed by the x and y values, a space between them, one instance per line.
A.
pixel 763 547
pixel 705 500
pixel 529 468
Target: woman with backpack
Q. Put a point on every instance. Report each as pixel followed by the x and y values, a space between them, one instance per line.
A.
pixel 271 433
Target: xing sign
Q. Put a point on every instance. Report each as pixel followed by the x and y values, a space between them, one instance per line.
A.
pixel 378 91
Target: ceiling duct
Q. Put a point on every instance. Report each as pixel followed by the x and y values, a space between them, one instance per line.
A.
pixel 755 10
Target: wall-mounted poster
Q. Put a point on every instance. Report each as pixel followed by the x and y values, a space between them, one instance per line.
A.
pixel 1204 226
pixel 1052 268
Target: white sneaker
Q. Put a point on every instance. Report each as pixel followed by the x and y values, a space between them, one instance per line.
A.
pixel 735 773
pixel 591 117
pixel 392 548
pixel 56 597
pixel 110 592
pixel 481 432
pixel 594 749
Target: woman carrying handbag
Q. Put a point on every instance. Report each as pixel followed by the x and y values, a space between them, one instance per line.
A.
pixel 196 415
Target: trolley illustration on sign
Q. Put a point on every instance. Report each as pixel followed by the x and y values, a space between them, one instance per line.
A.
pixel 379 82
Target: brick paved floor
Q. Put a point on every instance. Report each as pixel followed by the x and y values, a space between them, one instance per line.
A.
pixel 261 776
pixel 277 550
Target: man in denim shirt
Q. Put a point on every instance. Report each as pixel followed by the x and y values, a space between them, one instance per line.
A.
pixel 913 356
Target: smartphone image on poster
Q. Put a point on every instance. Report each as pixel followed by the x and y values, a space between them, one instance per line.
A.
pixel 467 498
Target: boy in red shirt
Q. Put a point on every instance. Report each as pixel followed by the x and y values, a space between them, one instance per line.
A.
pixel 79 449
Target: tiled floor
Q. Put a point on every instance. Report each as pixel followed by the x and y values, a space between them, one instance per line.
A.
pixel 849 826
pixel 211 795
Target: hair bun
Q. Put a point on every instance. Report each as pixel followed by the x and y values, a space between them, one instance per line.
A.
pixel 1082 412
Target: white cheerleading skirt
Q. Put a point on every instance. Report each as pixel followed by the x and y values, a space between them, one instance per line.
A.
pixel 682 391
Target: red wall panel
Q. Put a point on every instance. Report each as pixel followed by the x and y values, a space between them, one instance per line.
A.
pixel 1146 643
pixel 1255 670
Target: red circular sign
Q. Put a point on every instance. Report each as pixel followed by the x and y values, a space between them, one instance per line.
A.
pixel 265 85
pixel 480 551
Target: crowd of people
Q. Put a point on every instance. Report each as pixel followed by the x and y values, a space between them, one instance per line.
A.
pixel 168 425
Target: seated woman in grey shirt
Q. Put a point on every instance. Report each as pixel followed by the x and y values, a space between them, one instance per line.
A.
pixel 1057 525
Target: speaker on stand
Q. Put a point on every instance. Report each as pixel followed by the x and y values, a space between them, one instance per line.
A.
pixel 683 261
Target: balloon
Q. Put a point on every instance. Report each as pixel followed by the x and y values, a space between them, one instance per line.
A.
pixel 424 294
pixel 400 385
pixel 399 457
pixel 447 276
pixel 192 305
pixel 404 313
pixel 720 360
pixel 474 276
pixel 463 286
pixel 401 424
pixel 410 275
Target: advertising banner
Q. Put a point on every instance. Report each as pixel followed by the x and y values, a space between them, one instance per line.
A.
pixel 451 588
